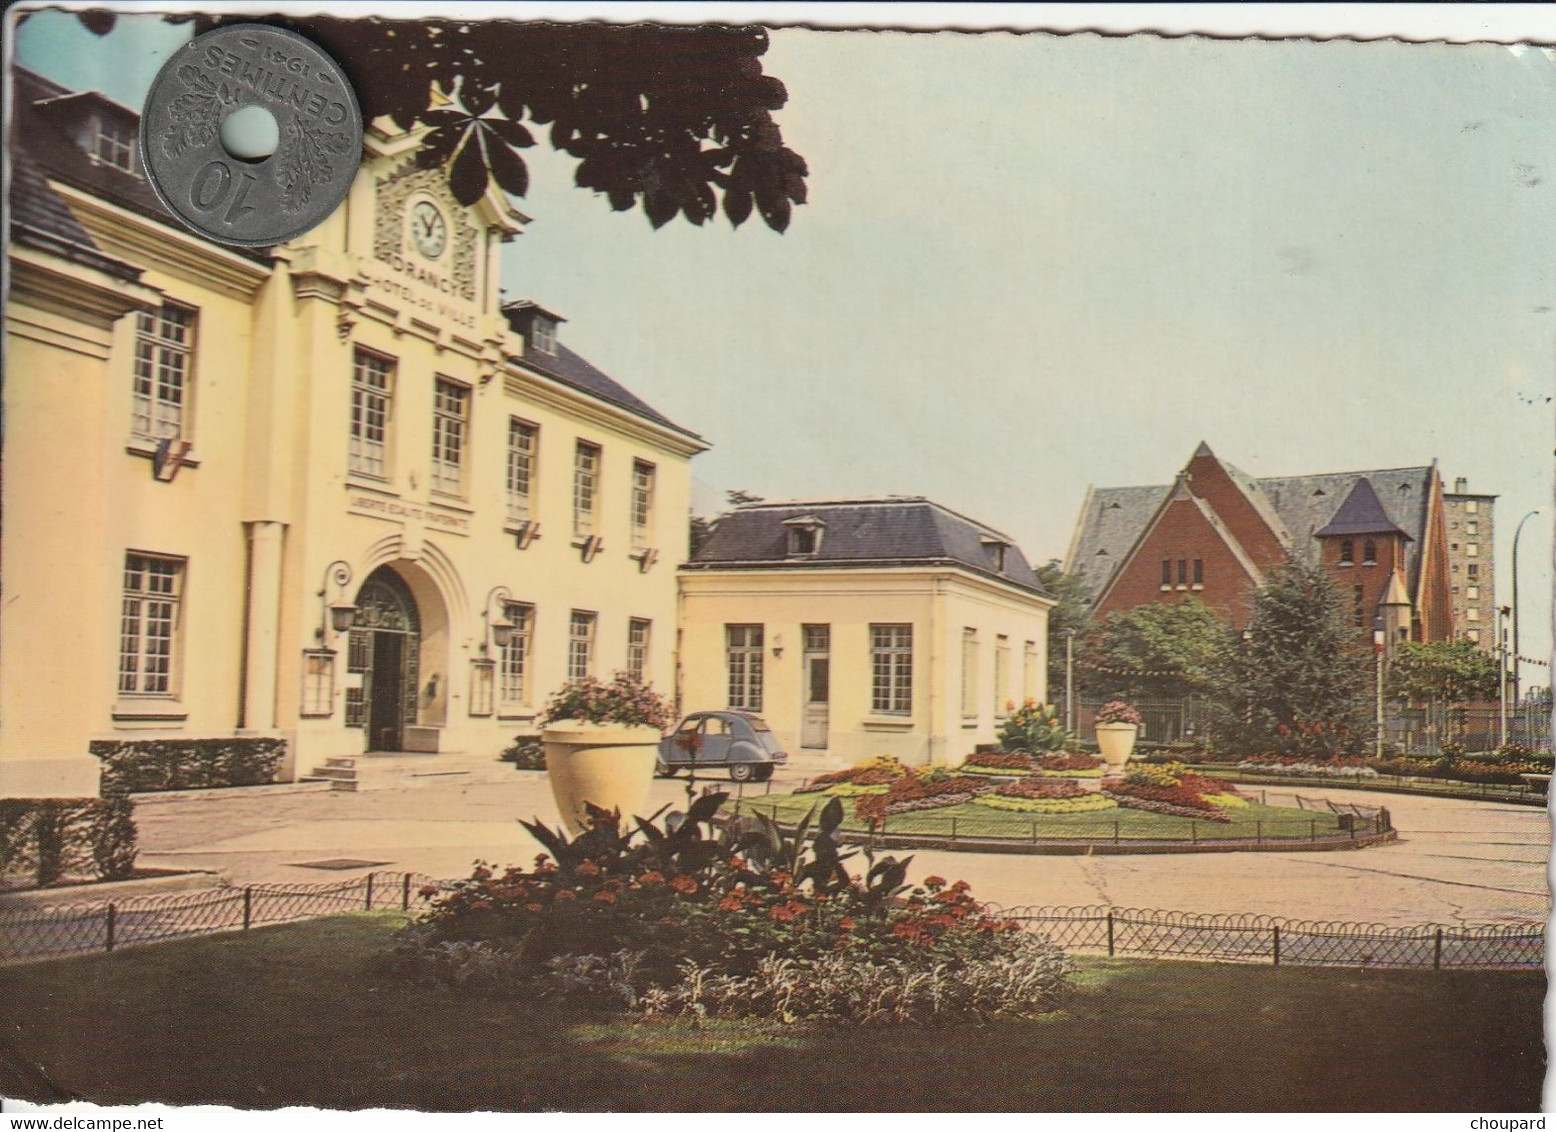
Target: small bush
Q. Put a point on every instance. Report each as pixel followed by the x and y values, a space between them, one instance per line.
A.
pixel 1033 728
pixel 45 840
pixel 526 752
pixel 142 766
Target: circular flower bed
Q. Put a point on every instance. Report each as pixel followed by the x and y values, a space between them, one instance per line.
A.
pixel 1033 797
pixel 1169 788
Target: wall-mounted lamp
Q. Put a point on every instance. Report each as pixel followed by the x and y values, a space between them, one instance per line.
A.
pixel 499 630
pixel 337 615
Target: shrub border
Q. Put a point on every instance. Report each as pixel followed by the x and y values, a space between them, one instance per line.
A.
pixel 1381 784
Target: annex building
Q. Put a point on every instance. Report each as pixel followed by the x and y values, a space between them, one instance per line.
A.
pixel 864 627
pixel 339 491
pixel 1215 531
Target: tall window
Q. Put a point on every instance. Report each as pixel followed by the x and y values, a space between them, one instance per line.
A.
pixel 114 144
pixel 1471 507
pixel 1474 570
pixel 743 645
pixel 1369 553
pixel 1029 671
pixel 1358 606
pixel 580 645
pixel 1471 549
pixel 969 673
pixel 372 388
pixel 642 501
pixel 891 669
pixel 149 624
pixel 522 438
pixel 1472 527
pixel 586 484
pixel 1166 573
pixel 542 334
pixel 513 658
pixel 164 342
pixel 1001 676
pixel 450 427
pixel 1183 571
pixel 637 647
pixel 1199 571
pixel 1347 552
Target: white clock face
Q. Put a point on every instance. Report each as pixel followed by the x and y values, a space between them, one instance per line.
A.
pixel 428 229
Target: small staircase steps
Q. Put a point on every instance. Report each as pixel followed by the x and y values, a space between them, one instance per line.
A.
pixel 340 773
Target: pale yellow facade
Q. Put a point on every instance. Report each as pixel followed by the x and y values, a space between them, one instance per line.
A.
pixel 959 695
pixel 272 509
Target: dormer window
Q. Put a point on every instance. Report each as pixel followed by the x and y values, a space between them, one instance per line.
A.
pixel 113 144
pixel 997 549
pixel 804 536
pixel 542 335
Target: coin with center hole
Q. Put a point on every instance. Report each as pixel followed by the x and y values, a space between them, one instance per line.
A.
pixel 251 201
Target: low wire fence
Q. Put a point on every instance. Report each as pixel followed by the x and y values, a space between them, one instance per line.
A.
pixel 71 929
pixel 1330 823
pixel 61 930
pixel 1101 930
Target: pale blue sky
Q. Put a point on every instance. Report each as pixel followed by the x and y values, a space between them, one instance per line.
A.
pixel 1033 262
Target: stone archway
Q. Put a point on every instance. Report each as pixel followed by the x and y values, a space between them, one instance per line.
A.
pixel 397 660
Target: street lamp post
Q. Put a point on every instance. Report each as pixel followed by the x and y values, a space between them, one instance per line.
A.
pixel 1519 531
pixel 1378 637
pixel 1069 681
pixel 1502 674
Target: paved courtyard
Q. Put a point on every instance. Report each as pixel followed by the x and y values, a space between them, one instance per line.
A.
pixel 1455 862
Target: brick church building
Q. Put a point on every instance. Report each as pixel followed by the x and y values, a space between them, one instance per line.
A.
pixel 1216 532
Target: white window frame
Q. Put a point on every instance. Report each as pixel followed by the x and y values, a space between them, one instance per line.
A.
pixel 450 435
pixel 513 658
pixel 523 450
pixel 891 669
pixel 639 636
pixel 372 413
pixel 113 146
pixel 969 673
pixel 161 395
pixel 644 475
pixel 586 488
pixel 581 627
pixel 1001 676
pixel 744 665
pixel 151 625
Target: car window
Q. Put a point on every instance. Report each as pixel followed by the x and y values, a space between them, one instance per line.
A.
pixel 714 725
pixel 757 724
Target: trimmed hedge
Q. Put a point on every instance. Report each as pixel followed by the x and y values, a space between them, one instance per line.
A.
pixel 46 839
pixel 144 766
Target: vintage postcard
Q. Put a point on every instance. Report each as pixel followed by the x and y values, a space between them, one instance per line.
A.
pixel 719 561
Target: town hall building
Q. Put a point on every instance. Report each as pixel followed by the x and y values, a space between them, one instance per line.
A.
pixel 337 492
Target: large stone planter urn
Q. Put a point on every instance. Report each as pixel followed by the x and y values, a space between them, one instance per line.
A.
pixel 1116 742
pixel 606 764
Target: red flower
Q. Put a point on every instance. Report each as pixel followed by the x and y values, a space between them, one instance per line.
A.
pixel 846 924
pixel 566 894
pixel 532 908
pixel 934 882
pixel 731 903
pixel 427 890
pixel 588 869
pixel 651 878
pixel 605 897
pixel 683 883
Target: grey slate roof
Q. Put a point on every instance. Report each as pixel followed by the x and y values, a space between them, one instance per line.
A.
pixel 900 531
pixel 1361 514
pixel 577 372
pixel 1113 517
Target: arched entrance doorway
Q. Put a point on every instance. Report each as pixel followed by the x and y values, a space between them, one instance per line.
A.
pixel 385 649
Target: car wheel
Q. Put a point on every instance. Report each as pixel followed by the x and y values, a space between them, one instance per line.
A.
pixel 762 773
pixel 741 772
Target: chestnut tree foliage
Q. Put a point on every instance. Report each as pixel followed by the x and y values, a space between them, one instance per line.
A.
pixel 677 120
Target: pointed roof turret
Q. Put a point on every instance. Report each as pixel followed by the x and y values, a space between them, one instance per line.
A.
pixel 1361 514
pixel 1202 450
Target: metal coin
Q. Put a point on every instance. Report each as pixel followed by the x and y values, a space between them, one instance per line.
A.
pixel 229 199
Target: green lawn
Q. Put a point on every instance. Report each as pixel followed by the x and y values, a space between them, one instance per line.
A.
pixel 973 820
pixel 295 1015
